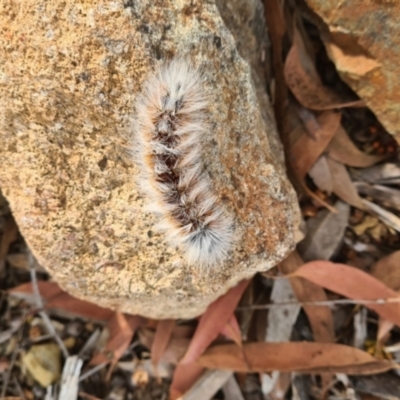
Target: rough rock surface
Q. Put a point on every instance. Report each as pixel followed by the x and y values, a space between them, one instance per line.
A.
pixel 69 74
pixel 365 46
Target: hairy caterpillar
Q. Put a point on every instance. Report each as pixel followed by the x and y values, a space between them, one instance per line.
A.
pixel 170 123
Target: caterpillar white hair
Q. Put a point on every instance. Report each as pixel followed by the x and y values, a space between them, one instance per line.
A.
pixel 170 122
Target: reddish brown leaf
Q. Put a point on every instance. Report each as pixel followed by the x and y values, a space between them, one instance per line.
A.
pixel 161 339
pixel 306 150
pixel 387 270
pixel 47 290
pixel 120 336
pixel 354 284
pixel 183 331
pixel 232 330
pixel 306 357
pixel 384 327
pixel 213 321
pixel 56 299
pixel 84 309
pixel 135 321
pixel 151 323
pixel 320 318
pixel 342 149
pixel 10 234
pixel 304 82
pixel 176 348
pixel 184 378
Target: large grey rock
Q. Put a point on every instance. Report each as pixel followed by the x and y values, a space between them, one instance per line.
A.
pixel 69 75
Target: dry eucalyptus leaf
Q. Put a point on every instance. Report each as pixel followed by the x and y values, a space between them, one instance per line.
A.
pixel 387 270
pixel 303 80
pixel 213 321
pixel 325 233
pixel 343 187
pixel 355 284
pixel 306 357
pixel 305 151
pixel 161 340
pixel 43 361
pixel 319 317
pixel 175 350
pixel 320 173
pixel 342 149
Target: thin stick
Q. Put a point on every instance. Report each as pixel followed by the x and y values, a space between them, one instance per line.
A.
pixel 321 303
pixel 92 371
pixel 90 344
pixel 39 303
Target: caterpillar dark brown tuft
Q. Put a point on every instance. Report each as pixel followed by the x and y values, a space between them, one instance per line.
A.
pixel 170 121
